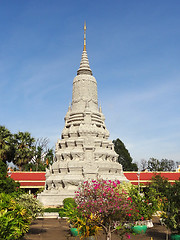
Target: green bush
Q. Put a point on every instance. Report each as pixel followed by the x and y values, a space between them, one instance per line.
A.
pixel 29 202
pixel 69 201
pixel 147 204
pixel 51 209
pixel 14 219
pixel 69 205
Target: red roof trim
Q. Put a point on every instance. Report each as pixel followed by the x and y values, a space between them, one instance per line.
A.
pixel 38 178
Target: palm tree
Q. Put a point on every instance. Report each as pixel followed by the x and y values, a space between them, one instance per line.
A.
pixel 24 148
pixel 6 145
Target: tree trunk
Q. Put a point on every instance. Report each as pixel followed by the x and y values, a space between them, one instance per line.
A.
pixel 108 235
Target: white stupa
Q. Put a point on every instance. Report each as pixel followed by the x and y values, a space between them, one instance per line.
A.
pixel 84 150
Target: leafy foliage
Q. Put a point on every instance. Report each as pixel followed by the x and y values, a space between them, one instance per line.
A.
pixel 161 185
pixel 7 184
pixel 156 165
pixel 3 170
pixel 124 187
pixel 72 213
pixel 24 148
pixel 14 219
pixel 51 209
pixel 69 209
pixel 88 226
pixel 69 201
pixel 6 145
pixel 170 196
pixel 43 155
pixel 29 202
pixel 173 212
pixel 124 157
pixel 146 204
pixel 24 151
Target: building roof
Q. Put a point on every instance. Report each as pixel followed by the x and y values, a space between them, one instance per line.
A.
pixel 37 179
pixel 29 179
pixel 145 177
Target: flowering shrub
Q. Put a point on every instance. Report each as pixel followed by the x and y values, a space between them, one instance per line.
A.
pixel 101 199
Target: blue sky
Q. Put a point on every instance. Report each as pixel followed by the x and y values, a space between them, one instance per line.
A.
pixel 134 52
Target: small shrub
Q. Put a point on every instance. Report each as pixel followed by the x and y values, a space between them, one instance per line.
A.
pixel 33 205
pixel 67 210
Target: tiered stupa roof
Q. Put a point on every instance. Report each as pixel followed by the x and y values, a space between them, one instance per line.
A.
pixel 84 150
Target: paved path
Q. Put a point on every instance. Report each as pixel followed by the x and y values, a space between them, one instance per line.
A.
pixel 54 229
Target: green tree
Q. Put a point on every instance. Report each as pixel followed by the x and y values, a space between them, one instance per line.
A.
pixel 7 184
pixel 124 157
pixel 49 156
pixel 155 165
pixel 43 156
pixel 170 195
pixel 160 183
pixel 167 165
pixel 6 145
pixel 24 149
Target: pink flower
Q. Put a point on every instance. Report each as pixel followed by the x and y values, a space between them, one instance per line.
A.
pixel 128 236
pixel 114 184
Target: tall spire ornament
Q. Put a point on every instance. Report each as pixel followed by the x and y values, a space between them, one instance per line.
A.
pixel 84 49
pixel 84 64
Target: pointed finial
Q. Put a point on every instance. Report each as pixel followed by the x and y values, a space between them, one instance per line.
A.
pixel 69 108
pixel 84 64
pixel 84 49
pixel 100 109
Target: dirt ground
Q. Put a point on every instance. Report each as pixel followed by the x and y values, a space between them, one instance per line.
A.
pixel 47 229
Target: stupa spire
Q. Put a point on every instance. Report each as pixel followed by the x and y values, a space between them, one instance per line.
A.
pixel 84 64
pixel 84 49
